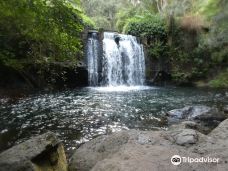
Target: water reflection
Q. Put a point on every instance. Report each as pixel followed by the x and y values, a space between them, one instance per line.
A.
pixel 80 115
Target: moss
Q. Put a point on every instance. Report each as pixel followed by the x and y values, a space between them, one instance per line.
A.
pixel 220 81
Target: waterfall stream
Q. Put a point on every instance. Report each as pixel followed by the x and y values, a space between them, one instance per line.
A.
pixel 92 59
pixel 122 62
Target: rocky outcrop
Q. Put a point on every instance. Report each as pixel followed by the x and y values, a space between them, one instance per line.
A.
pixel 153 150
pixel 205 118
pixel 41 153
pixel 192 112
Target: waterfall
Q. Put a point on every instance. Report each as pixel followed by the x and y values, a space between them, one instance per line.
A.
pixel 122 61
pixel 92 58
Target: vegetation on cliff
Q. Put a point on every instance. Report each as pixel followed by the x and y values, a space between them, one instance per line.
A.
pixel 35 35
pixel 190 36
pixel 40 31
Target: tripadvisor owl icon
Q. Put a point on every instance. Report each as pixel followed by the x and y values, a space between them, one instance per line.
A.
pixel 176 160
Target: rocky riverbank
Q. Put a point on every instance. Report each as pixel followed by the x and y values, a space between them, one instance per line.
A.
pixel 134 149
pixel 153 150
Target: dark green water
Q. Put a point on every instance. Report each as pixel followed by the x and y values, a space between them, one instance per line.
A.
pixel 77 116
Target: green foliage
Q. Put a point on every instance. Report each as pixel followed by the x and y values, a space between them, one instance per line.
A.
pixel 150 26
pixel 104 12
pixel 220 81
pixel 159 50
pixel 220 56
pixel 123 16
pixel 40 31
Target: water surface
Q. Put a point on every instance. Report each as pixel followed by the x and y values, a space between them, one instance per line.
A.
pixel 79 115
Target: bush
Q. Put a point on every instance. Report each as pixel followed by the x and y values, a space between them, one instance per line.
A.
pixel 220 81
pixel 150 26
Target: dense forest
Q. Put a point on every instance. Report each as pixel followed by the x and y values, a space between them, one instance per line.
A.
pixel 188 36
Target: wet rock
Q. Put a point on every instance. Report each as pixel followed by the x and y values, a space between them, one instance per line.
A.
pixel 184 125
pixel 207 118
pixel 189 112
pixel 189 124
pixel 41 153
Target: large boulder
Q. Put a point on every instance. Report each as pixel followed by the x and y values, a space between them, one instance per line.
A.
pixel 99 149
pixel 41 153
pixel 151 150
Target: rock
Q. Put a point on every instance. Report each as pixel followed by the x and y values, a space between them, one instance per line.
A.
pixel 180 113
pixel 189 124
pixel 191 112
pixel 225 109
pixel 184 125
pixel 207 118
pixel 152 150
pixel 98 149
pixel 186 137
pixel 221 132
pixel 41 153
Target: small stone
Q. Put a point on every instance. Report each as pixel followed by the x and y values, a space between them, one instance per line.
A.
pixel 143 139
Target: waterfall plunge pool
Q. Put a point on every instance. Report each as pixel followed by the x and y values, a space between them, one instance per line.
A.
pixel 79 115
pixel 121 88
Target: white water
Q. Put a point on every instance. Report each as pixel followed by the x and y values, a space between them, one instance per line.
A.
pixel 92 59
pixel 121 88
pixel 123 64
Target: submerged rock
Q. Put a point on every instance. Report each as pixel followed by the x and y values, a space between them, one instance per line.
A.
pixel 41 153
pixel 191 112
pixel 206 118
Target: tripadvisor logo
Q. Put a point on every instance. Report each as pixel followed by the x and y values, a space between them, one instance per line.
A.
pixel 176 160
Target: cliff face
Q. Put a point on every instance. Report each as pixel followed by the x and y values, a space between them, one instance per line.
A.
pixel 43 77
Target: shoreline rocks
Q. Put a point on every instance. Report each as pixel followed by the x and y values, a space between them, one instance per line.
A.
pixel 42 153
pixel 132 149
pixel 152 150
pixel 205 118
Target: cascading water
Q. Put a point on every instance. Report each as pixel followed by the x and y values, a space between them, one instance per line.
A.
pixel 92 59
pixel 122 62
